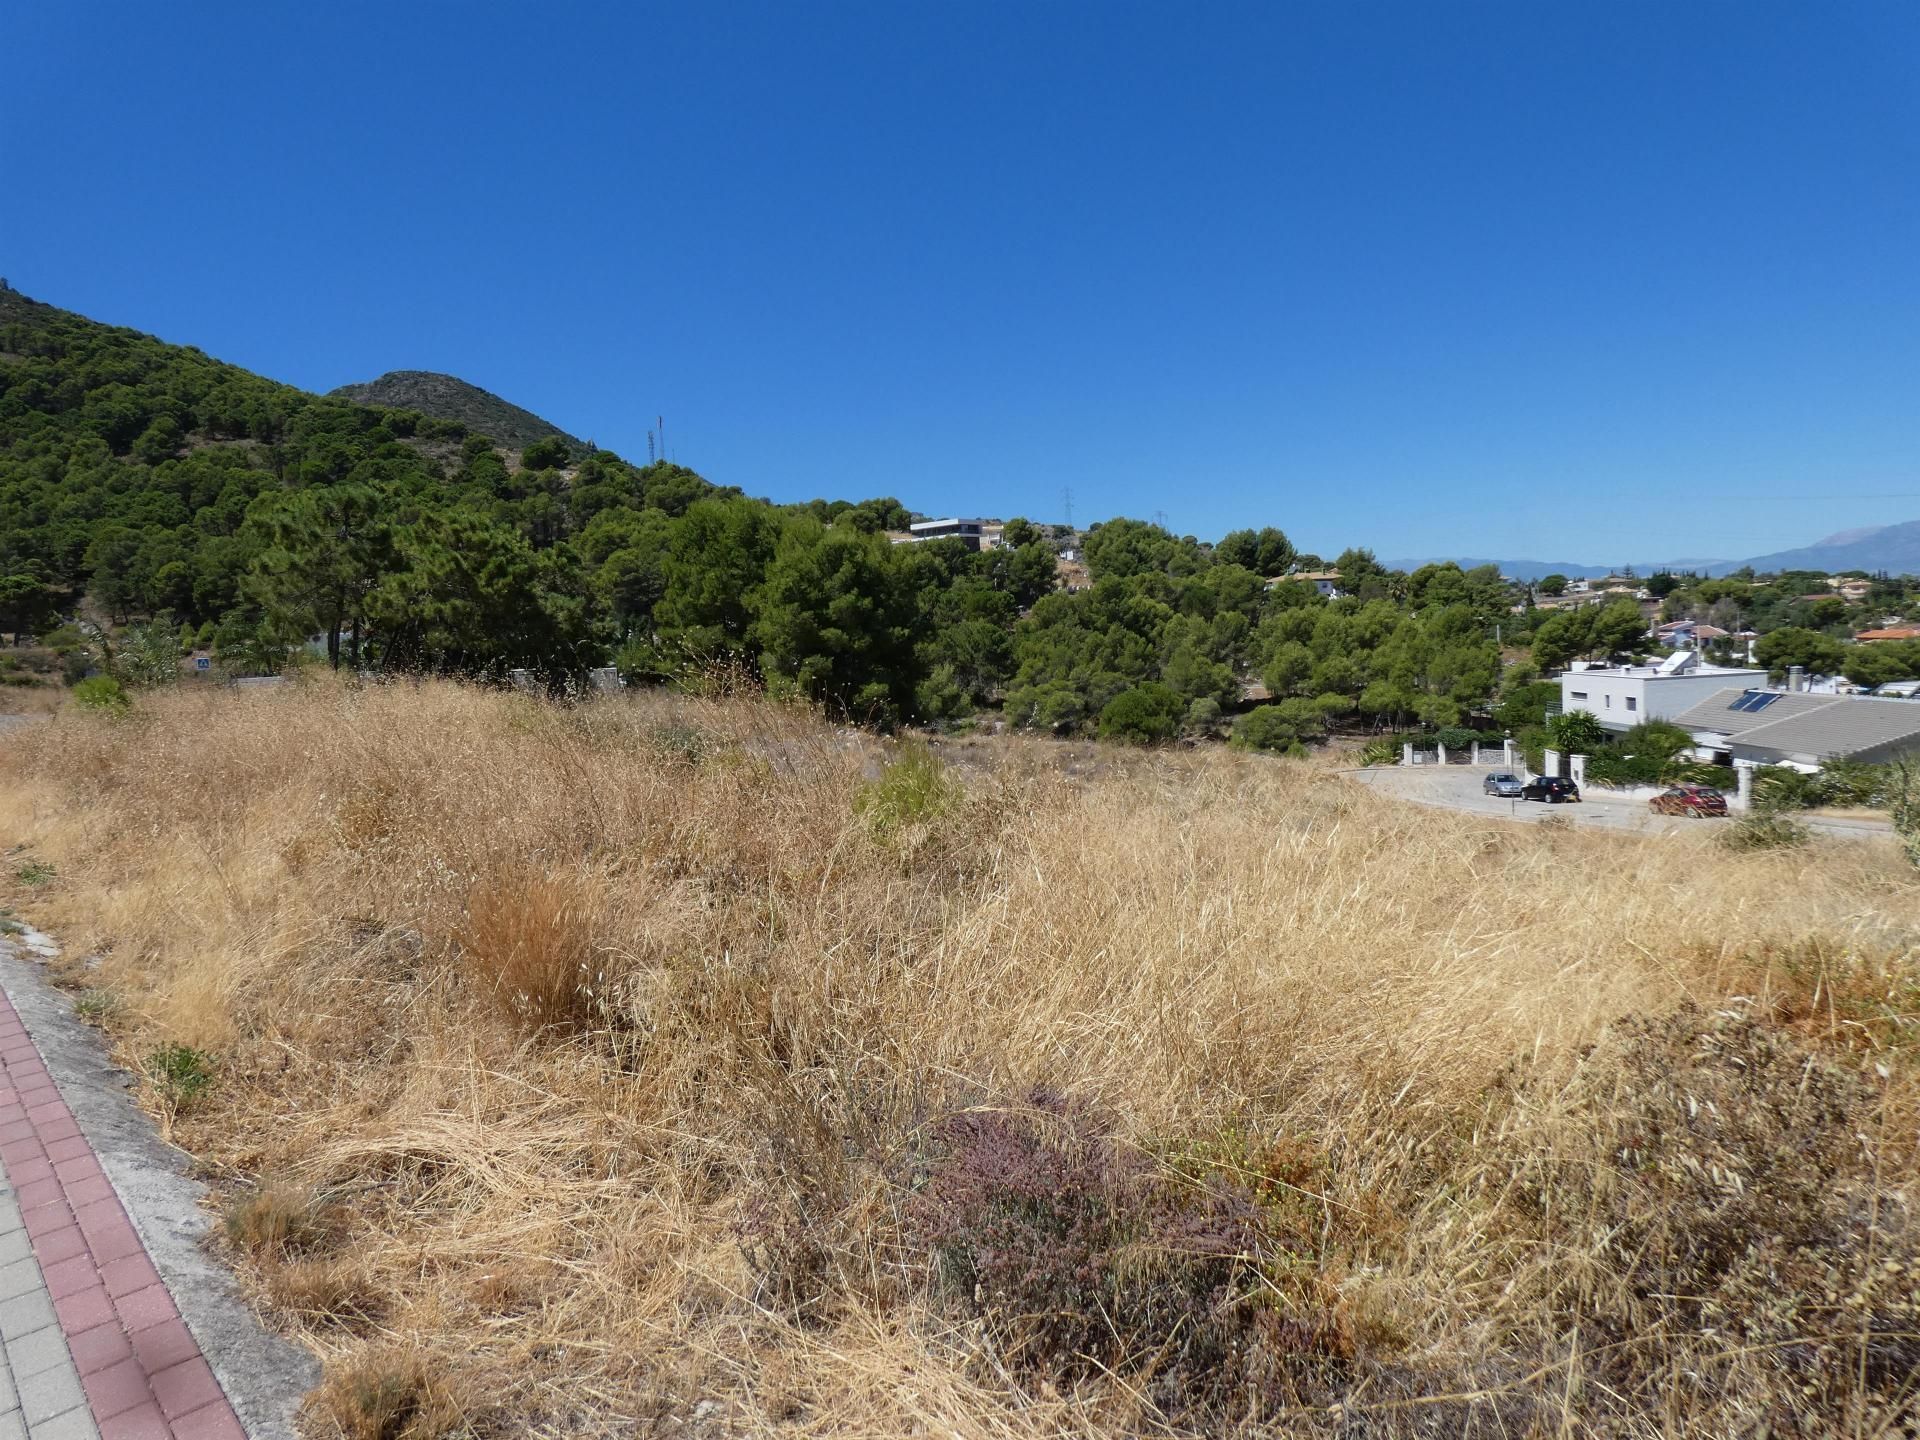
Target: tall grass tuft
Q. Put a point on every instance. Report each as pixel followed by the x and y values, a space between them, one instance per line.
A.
pixel 530 944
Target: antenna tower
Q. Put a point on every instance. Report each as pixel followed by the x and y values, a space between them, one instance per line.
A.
pixel 1066 497
pixel 649 447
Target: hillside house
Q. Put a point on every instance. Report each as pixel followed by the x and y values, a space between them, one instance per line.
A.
pixel 976 534
pixel 1889 632
pixel 1326 583
pixel 1687 634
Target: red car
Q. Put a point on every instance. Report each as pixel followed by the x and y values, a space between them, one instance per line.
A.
pixel 1693 800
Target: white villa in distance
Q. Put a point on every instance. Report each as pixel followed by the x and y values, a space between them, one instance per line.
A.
pixel 1622 696
pixel 978 534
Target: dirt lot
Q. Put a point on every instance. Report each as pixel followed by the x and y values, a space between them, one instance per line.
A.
pixel 1458 787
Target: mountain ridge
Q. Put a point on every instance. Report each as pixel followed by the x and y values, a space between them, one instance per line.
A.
pixel 448 397
pixel 1894 548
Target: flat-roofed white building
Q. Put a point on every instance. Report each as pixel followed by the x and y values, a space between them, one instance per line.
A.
pixel 1622 696
pixel 980 534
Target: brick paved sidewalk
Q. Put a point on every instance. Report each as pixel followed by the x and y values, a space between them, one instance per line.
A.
pixel 91 1343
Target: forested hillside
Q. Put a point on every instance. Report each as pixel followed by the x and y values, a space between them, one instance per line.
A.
pixel 150 481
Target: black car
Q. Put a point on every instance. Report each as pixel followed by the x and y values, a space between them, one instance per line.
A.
pixel 1552 789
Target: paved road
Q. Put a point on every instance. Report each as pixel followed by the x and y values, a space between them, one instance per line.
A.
pixel 1457 787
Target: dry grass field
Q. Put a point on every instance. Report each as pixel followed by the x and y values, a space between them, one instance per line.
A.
pixel 675 1065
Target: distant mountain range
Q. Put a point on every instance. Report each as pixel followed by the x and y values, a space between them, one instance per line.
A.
pixel 448 397
pixel 1893 548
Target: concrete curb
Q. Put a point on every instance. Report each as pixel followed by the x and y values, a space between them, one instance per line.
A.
pixel 264 1376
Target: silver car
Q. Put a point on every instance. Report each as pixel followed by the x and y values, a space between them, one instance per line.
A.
pixel 1501 782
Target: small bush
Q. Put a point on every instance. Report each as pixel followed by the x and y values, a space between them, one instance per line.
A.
pixel 329 1290
pixel 1380 752
pixel 1082 1255
pixel 276 1221
pixel 96 1007
pixel 1902 789
pixel 102 694
pixel 34 872
pixel 913 790
pixel 1268 728
pixel 532 945
pixel 181 1075
pixel 1781 787
pixel 1144 715
pixel 389 1395
pixel 1764 830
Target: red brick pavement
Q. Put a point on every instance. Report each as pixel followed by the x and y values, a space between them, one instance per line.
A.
pixel 142 1371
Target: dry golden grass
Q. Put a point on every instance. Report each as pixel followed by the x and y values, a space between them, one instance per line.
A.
pixel 613 1035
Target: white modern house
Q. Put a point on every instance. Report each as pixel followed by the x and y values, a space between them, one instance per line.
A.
pixel 1622 696
pixel 977 533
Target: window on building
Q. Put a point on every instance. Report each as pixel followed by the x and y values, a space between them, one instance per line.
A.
pixel 1577 694
pixel 1607 700
pixel 1632 703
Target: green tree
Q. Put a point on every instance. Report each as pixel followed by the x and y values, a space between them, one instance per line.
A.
pixel 472 596
pixel 1796 645
pixel 322 552
pixel 1555 584
pixel 718 555
pixel 1577 732
pixel 836 618
pixel 545 454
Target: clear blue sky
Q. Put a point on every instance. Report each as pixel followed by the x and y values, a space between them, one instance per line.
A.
pixel 1612 281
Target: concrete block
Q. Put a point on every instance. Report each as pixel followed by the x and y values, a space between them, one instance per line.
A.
pixel 24 1314
pixel 50 1393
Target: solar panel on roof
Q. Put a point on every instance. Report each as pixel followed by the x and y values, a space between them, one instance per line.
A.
pixel 1763 699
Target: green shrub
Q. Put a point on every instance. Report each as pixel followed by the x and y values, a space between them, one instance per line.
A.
pixel 1380 752
pixel 34 872
pixel 1781 787
pixel 1702 772
pixel 96 1007
pixel 1268 728
pixel 1144 715
pixel 103 694
pixel 1615 765
pixel 149 654
pixel 1902 788
pixel 180 1074
pixel 913 790
pixel 1853 782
